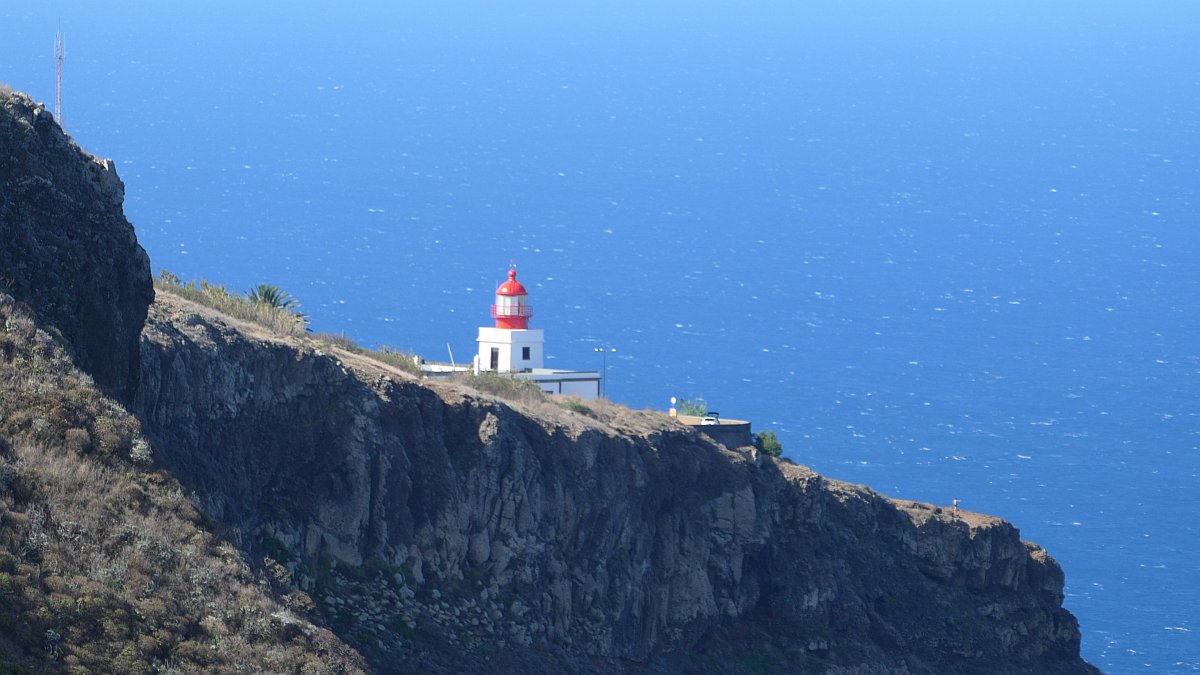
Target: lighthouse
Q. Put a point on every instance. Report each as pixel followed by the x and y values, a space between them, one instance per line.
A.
pixel 510 346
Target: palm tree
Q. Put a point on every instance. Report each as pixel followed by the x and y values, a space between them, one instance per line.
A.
pixel 272 296
pixel 277 298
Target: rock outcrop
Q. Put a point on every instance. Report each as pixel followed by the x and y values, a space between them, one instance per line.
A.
pixel 431 527
pixel 105 566
pixel 67 249
pixel 494 531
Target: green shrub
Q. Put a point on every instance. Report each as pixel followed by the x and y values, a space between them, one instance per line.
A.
pixel 274 296
pixel 767 442
pixel 696 407
pixel 575 405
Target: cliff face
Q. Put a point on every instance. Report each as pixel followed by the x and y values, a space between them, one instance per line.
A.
pixel 432 528
pixel 105 566
pixel 492 530
pixel 67 249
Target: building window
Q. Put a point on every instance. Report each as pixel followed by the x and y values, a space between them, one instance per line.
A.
pixel 495 358
pixel 524 353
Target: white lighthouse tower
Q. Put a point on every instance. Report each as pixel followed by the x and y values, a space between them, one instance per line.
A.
pixel 510 346
pixel 513 348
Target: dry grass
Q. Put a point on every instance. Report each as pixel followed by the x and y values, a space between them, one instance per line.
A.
pixel 617 417
pixel 287 323
pixel 283 321
pixel 514 390
pixel 397 358
pixel 105 566
pixel 507 387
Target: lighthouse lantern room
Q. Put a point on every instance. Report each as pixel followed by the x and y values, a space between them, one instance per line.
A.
pixel 512 310
pixel 511 345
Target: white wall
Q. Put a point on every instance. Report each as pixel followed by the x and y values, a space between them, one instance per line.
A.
pixel 585 390
pixel 510 343
pixel 565 383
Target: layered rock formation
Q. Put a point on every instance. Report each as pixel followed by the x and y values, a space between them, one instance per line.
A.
pixel 498 527
pixel 434 528
pixel 67 249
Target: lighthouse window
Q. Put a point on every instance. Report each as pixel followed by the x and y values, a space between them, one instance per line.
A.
pixel 525 353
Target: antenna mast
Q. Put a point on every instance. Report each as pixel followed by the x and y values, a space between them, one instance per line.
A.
pixel 58 58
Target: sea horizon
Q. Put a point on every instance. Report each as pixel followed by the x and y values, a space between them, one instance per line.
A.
pixel 945 251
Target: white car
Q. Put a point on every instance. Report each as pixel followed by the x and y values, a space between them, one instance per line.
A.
pixel 710 418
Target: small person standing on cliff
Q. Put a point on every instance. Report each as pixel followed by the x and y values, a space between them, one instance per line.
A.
pixel 954 504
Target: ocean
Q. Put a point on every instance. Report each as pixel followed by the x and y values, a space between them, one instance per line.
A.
pixel 943 249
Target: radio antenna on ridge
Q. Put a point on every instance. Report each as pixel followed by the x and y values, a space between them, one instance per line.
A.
pixel 58 59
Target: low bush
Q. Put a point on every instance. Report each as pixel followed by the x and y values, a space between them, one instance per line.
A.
pixel 502 385
pixel 768 443
pixel 696 407
pixel 575 405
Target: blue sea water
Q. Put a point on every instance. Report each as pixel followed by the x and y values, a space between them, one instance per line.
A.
pixel 944 249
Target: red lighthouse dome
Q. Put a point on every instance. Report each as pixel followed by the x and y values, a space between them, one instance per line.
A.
pixel 511 309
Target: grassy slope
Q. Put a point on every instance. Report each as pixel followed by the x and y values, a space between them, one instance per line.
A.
pixel 104 564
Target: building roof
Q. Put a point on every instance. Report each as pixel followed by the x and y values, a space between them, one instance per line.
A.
pixel 512 286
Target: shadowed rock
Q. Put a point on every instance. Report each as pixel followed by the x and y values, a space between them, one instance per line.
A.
pixel 66 249
pixel 527 538
pixel 436 529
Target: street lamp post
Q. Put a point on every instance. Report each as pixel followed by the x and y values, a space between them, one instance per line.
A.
pixel 605 351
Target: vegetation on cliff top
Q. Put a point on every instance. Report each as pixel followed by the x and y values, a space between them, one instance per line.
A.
pixel 277 311
pixel 767 442
pixel 106 565
pixel 265 305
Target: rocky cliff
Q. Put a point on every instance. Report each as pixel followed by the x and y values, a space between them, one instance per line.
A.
pixel 67 249
pixel 105 566
pixel 491 531
pixel 283 486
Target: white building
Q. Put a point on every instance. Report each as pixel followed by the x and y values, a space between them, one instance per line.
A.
pixel 512 347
